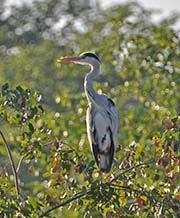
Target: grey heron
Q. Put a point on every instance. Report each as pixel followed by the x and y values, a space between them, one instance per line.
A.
pixel 101 116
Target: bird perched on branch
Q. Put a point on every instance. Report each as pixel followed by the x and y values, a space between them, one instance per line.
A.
pixel 101 117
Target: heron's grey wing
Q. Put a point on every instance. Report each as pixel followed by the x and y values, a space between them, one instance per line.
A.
pixel 113 117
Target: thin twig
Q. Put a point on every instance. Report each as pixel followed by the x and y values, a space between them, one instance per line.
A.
pixel 83 193
pixel 58 205
pixel 130 169
pixel 12 165
pixel 20 162
pixel 122 187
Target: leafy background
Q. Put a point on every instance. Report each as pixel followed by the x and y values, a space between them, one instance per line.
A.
pixel 43 107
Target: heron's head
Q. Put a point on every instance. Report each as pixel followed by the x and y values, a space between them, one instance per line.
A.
pixel 85 58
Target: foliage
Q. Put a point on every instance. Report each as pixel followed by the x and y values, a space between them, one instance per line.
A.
pixel 42 111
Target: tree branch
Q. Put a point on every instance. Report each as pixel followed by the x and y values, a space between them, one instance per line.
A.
pixel 12 165
pixel 20 162
pixel 83 193
pixel 58 205
pixel 129 169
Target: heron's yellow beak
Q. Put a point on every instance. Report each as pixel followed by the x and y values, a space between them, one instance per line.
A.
pixel 68 59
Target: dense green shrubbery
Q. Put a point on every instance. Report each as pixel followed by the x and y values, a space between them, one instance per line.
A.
pixel 42 107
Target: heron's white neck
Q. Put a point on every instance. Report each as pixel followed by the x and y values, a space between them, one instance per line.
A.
pixel 91 94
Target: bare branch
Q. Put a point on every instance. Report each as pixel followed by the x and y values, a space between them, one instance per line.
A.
pixel 12 165
pixel 83 193
pixel 58 205
pixel 130 169
pixel 20 162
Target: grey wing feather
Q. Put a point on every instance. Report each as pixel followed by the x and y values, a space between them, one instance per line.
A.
pixel 114 120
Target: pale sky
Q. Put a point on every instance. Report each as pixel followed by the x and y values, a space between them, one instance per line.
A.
pixel 167 6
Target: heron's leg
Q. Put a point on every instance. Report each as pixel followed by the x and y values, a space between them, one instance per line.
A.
pixel 101 178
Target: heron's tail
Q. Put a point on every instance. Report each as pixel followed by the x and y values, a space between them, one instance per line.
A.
pixel 103 159
pixel 105 162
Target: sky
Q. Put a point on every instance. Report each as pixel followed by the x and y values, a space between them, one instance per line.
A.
pixel 166 7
